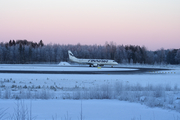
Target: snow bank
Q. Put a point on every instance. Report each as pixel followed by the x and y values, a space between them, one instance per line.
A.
pixel 64 64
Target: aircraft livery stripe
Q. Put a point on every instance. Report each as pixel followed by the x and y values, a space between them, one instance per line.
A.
pixel 94 60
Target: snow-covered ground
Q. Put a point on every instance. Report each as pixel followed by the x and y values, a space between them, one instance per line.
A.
pixel 150 66
pixel 64 64
pixel 64 80
pixel 58 68
pixel 92 109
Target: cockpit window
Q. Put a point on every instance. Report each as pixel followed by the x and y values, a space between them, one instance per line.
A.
pixel 113 60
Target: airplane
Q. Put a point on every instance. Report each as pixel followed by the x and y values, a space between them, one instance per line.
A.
pixel 91 62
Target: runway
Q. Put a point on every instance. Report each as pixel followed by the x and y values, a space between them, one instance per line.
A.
pixel 136 70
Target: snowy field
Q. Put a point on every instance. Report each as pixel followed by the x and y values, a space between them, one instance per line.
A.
pixel 91 110
pixel 148 96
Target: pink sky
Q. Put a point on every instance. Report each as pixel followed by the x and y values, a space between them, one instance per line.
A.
pixel 150 23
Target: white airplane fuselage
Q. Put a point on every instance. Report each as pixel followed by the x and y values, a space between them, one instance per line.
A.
pixel 91 62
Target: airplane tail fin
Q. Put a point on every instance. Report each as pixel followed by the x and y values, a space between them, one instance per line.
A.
pixel 71 56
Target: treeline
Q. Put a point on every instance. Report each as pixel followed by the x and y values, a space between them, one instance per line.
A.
pixel 27 52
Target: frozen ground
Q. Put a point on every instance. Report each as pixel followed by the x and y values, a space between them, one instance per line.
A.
pixel 63 80
pixel 92 109
pixel 150 66
pixel 170 77
pixel 58 68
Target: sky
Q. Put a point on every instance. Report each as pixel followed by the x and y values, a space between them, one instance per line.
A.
pixel 154 24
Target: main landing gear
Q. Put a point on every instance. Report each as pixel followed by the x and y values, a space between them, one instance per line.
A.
pixel 93 66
